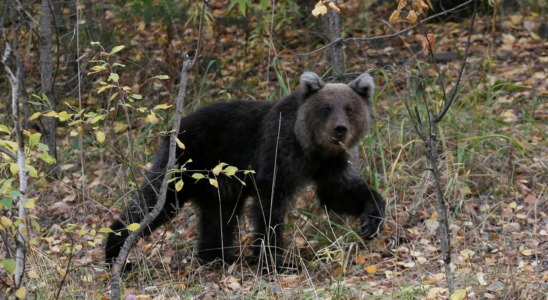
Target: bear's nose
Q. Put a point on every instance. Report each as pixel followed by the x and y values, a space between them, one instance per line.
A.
pixel 340 129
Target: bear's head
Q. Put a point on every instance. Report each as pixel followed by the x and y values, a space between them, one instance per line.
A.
pixel 333 118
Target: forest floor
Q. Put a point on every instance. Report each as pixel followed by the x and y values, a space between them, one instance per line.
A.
pixel 493 159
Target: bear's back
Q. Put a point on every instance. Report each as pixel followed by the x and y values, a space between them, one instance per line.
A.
pixel 228 132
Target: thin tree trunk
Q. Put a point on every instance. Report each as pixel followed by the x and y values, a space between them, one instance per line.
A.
pixel 46 66
pixel 21 236
pixel 331 27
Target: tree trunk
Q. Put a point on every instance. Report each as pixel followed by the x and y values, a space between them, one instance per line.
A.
pixel 331 27
pixel 46 66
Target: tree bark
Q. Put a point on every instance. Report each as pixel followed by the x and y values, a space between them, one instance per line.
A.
pixel 331 27
pixel 46 66
pixel 21 236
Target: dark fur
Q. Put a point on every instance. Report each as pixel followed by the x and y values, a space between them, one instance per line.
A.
pixel 289 143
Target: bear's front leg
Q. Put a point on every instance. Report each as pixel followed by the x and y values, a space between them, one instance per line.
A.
pixel 268 214
pixel 347 193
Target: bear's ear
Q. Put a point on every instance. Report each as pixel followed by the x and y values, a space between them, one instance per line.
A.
pixel 365 87
pixel 311 83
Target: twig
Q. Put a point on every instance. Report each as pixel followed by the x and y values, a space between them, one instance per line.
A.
pixel 67 270
pixel 374 38
pixel 439 116
pixel 9 153
pixel 117 267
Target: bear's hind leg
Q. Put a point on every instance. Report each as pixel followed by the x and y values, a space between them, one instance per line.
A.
pixel 217 229
pixel 135 212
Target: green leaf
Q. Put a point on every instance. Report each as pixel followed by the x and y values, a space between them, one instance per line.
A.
pixel 198 176
pixel 15 193
pixel 161 77
pixel 218 168
pixel 7 203
pixel 4 128
pixel 133 227
pixel 9 265
pixel 14 168
pixel 179 185
pixel 43 147
pixel 118 65
pixel 249 172
pixel 106 230
pixel 114 77
pixel 34 139
pixel 162 106
pixel 34 116
pixel 117 49
pixel 47 158
pixel 35 224
pixel 230 170
pixel 45 98
pixel 32 171
pixel 137 96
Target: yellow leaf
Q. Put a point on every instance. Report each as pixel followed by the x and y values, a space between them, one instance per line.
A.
pixel 458 295
pixel 14 168
pixel 402 4
pixel 33 275
pixel 394 16
pixel 179 185
pixel 35 116
pixel 527 252
pixel 371 269
pixel 422 5
pixel 322 9
pixel 535 36
pixel 50 114
pixel 334 7
pixel 467 253
pixel 5 221
pixel 29 203
pixel 97 119
pixel 508 116
pixel 162 106
pixel 179 143
pixel 151 118
pixel 100 136
pixel 62 272
pixel 218 168
pixel 133 227
pixel 412 16
pixel 213 182
pixel 73 133
pixel 63 116
pixel 21 293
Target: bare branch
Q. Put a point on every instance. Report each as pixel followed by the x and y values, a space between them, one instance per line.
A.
pixel 380 37
pixel 448 103
pixel 9 153
pixel 118 264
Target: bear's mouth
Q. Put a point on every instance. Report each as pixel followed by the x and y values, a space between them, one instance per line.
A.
pixel 336 140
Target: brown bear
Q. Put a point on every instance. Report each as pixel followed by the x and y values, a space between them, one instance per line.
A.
pixel 309 137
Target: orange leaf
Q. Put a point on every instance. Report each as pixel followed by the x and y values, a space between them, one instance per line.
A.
pixel 395 15
pixel 370 269
pixel 428 43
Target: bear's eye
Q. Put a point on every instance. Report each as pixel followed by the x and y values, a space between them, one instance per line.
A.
pixel 349 111
pixel 326 111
